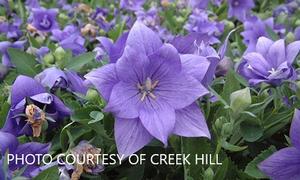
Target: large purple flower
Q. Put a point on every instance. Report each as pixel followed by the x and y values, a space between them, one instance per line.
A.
pixel 270 63
pixel 44 19
pixel 55 78
pixel 151 91
pixel 9 142
pixel 4 45
pixel 239 8
pixel 31 107
pixel 285 164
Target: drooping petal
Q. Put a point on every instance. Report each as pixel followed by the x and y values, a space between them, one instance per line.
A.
pixel 292 51
pixel 263 45
pixel 130 136
pixel 75 82
pixel 194 65
pixel 132 66
pixel 190 122
pixel 103 79
pixel 295 130
pixel 8 142
pixel 44 98
pixel 60 107
pixel 276 53
pixel 24 87
pixel 164 62
pixel 158 118
pixel 124 101
pixel 143 39
pixel 49 77
pixel 282 165
pixel 179 91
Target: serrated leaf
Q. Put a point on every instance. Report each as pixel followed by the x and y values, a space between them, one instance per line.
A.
pixel 25 63
pixel 252 169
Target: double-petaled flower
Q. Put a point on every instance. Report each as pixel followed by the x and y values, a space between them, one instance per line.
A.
pixel 32 107
pixel 152 91
pixel 270 63
pixel 44 20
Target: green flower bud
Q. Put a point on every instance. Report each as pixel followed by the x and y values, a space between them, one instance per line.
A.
pixel 219 122
pixel 49 59
pixel 59 54
pixel 208 174
pixel 227 129
pixel 240 100
pixel 228 25
pixel 282 18
pixel 92 95
pixel 297 23
pixel 179 19
pixel 290 37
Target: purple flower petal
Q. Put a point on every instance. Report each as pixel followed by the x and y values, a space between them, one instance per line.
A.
pixel 103 79
pixel 190 122
pixel 277 53
pixel 18 91
pixel 179 91
pixel 130 136
pixel 292 51
pixel 8 142
pixel 158 118
pixel 195 66
pixel 143 39
pixel 132 66
pixel 282 165
pixel 263 45
pixel 124 101
pixel 49 77
pixel 295 130
pixel 75 82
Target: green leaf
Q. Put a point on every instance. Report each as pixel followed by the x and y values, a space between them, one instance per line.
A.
pixel 97 116
pixel 25 63
pixel 251 130
pixel 231 147
pixel 78 62
pixel 232 84
pixel 252 169
pixel 48 174
pixel 221 172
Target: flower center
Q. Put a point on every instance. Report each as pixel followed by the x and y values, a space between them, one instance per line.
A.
pixel 45 22
pixel 35 117
pixel 147 88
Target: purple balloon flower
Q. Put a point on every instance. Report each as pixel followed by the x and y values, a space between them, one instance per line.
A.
pixel 239 8
pixel 9 142
pixel 31 107
pixel 254 28
pixel 55 78
pixel 270 63
pixel 44 20
pixel 285 164
pixel 132 5
pixel 4 45
pixel 151 90
pixel 69 38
